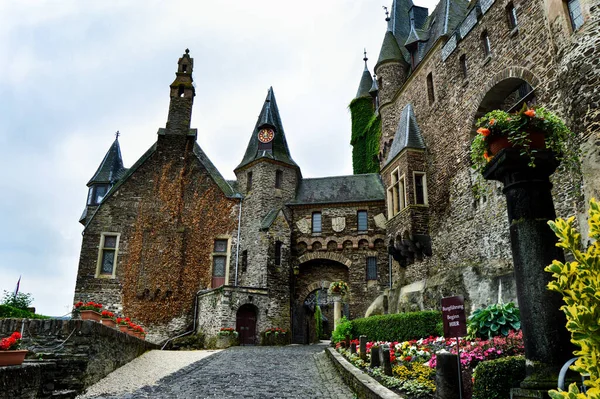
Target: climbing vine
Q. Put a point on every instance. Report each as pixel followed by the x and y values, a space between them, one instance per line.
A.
pixel 366 132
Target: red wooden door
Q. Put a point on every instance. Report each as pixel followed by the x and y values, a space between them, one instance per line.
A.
pixel 246 325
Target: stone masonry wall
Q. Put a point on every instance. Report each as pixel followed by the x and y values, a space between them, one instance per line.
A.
pixel 82 351
pixel 168 214
pixel 467 220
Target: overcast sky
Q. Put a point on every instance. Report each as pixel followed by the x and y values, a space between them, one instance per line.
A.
pixel 72 73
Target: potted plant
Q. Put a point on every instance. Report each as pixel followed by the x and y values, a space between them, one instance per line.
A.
pixel 138 331
pixel 108 319
pixel 529 130
pixel 338 288
pixel 10 352
pixel 275 336
pixel 123 323
pixel 89 311
pixel 226 337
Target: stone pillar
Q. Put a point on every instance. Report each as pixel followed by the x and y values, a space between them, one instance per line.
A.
pixel 530 206
pixel 375 356
pixel 446 376
pixel 386 361
pixel 337 310
pixel 362 342
pixel 352 348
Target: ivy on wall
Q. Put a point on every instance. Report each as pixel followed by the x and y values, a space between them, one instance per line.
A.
pixel 366 131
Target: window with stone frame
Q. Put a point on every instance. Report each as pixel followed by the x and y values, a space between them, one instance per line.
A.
pixel 107 255
pixel 463 66
pixel 362 221
pixel 278 178
pixel 575 14
pixel 487 47
pixel 430 90
pixel 278 246
pixel 316 222
pixel 219 262
pixel 248 181
pixel 371 268
pixel 420 184
pixel 396 194
pixel 511 14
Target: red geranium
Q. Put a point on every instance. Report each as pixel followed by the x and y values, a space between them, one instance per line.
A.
pixel 11 343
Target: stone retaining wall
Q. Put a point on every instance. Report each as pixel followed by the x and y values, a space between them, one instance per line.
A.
pixel 77 353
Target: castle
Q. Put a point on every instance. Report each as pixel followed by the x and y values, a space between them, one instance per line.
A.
pixel 175 246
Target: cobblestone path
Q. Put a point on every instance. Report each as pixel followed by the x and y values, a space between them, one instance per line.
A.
pixel 251 372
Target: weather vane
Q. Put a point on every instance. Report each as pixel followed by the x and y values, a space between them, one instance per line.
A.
pixel 117 134
pixel 365 53
pixel 387 14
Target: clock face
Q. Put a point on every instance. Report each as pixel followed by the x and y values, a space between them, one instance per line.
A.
pixel 265 135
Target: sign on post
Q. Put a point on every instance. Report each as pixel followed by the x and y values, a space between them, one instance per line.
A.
pixel 453 313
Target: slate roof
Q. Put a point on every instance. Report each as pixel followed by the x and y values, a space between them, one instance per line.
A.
pixel 340 189
pixel 366 81
pixel 408 134
pixel 269 116
pixel 443 20
pixel 268 220
pixel 374 87
pixel 111 168
pixel 390 50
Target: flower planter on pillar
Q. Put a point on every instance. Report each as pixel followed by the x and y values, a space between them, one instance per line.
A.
pixel 109 323
pixel 90 315
pixel 12 358
pixel 529 207
pixel 537 141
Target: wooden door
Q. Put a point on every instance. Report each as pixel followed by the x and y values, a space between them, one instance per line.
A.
pixel 246 325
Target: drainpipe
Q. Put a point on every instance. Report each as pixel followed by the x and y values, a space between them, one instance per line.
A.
pixel 237 246
pixel 390 262
pixel 194 325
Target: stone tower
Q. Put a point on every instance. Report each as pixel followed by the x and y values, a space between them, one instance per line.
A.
pixel 268 178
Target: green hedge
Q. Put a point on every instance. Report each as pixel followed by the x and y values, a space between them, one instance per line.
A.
pixel 495 378
pixel 11 312
pixel 399 326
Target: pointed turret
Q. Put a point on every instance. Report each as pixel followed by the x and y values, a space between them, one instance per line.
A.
pixel 182 97
pixel 408 134
pixel 374 88
pixel 366 81
pixel 111 169
pixel 268 138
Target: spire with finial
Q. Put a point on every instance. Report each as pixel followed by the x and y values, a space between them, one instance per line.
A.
pixel 182 97
pixel 117 134
pixel 365 81
pixel 387 14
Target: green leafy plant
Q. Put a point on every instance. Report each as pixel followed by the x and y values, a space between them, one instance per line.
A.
pixel 398 326
pixel 516 127
pixel 493 379
pixel 494 320
pixel 579 283
pixel 318 322
pixel 11 312
pixel 344 327
pixel 20 301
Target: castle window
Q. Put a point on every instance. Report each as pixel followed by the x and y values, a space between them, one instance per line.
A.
pixel 316 222
pixel 487 48
pixel 420 188
pixel 362 221
pixel 184 68
pixel 371 268
pixel 511 13
pixel 278 178
pixel 244 261
pixel 248 181
pixel 463 65
pixel 181 91
pixel 396 194
pixel 97 193
pixel 278 245
pixel 575 14
pixel 219 262
pixel 430 92
pixel 107 255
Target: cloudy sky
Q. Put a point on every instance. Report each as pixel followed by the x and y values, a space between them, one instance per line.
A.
pixel 72 73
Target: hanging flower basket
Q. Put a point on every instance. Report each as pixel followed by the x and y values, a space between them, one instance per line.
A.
pixel 338 288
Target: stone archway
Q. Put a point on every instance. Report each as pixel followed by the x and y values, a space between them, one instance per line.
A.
pixel 317 271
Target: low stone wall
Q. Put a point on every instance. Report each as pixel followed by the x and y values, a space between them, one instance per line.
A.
pixel 365 386
pixel 21 382
pixel 76 353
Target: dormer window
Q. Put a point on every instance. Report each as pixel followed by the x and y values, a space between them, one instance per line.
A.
pixel 575 14
pixel 97 193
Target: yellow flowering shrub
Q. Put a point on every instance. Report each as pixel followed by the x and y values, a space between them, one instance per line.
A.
pixel 579 283
pixel 418 372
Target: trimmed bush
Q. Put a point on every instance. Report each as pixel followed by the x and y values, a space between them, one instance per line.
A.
pixel 344 327
pixel 495 378
pixel 398 327
pixel 12 312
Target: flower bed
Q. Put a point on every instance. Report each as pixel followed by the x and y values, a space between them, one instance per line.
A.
pixel 414 362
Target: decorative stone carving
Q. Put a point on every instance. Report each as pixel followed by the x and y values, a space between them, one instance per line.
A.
pixel 380 220
pixel 338 224
pixel 303 226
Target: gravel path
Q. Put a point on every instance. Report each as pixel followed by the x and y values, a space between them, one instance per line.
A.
pixel 147 369
pixel 294 371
